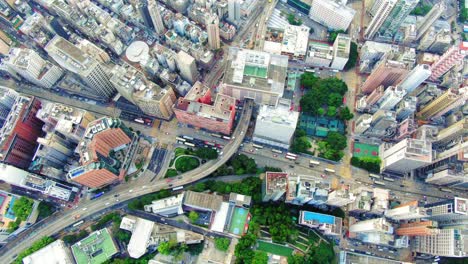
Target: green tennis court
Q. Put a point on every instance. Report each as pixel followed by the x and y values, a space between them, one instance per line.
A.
pixel 274 248
pixel 255 71
pixel 365 150
pixel 239 219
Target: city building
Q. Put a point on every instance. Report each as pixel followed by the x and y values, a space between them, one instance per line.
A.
pixel 382 124
pixel 21 129
pixel 28 64
pixel 363 201
pixel 406 155
pixel 446 243
pixel 155 14
pixel 379 225
pixel 382 10
pixel 341 197
pixel 332 14
pixel 275 126
pixel 348 257
pixel 202 201
pixel 386 73
pixel 327 224
pixel 255 75
pixel 106 152
pixel 212 28
pixel 341 48
pixel 406 211
pixel 453 56
pixel 33 182
pixel 274 186
pixel 71 58
pixel 380 200
pixel 442 41
pixel 146 234
pixel 395 18
pixel 64 127
pixel 448 212
pixel 307 189
pixel 406 108
pixel 234 11
pixel 319 54
pixel 56 252
pixel 97 247
pixel 292 41
pixel 415 77
pixel 187 67
pixel 148 96
pixel 442 104
pixel 430 18
pixel 167 207
pixel 391 97
pixel 422 228
pixel 197 109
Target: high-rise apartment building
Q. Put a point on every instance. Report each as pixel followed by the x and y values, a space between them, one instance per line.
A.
pixel 28 64
pixel 442 41
pixel 106 152
pixel 423 228
pixel 197 109
pixel 446 242
pixel 415 77
pixel 407 155
pixel 453 56
pixel 155 14
pixel 406 107
pixel 20 131
pixel 340 197
pixel 382 124
pixel 187 67
pixel 379 225
pixel 395 18
pixel 448 212
pixel 274 186
pixel 255 75
pixel 382 11
pixel 391 97
pixel 71 58
pixel 386 73
pixel 143 9
pixel 332 14
pixel 234 12
pixel 442 103
pixel 341 48
pixel 430 18
pixel 407 211
pixel 7 100
pixel 212 28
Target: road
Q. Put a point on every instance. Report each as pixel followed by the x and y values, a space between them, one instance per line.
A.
pixel 87 208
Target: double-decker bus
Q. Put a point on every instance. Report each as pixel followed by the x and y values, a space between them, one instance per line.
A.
pixel 78 223
pixel 329 170
pixel 290 157
pixel 97 195
pixel 226 138
pixel 257 146
pixel 277 151
pixel 216 135
pixel 187 137
pixel 374 176
pixel 388 179
pixel 189 144
pixel 291 154
pixel 313 163
pixel 178 188
pixel 379 183
pixel 180 139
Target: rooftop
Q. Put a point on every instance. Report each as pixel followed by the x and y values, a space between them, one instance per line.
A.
pixel 205 201
pixel 95 248
pixel 276 181
pixel 256 69
pixel 137 51
pixel 56 252
pixel 280 115
pixel 167 202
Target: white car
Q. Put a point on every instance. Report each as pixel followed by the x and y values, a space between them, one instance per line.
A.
pixel 130 191
pixel 84 209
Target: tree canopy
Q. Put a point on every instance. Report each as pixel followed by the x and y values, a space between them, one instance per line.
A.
pixel 333 34
pixel 323 93
pixel 353 56
pixel 222 243
pixel 166 248
pixel 206 153
pixel 193 216
pixel 345 114
pixel 260 257
pixel 23 208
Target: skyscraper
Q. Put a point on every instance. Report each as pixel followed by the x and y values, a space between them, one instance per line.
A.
pixel 395 18
pixel 341 48
pixel 89 69
pixel 446 242
pixel 415 77
pixel 382 10
pixel 143 9
pixel 332 14
pixel 450 58
pixel 187 67
pixel 28 64
pixel 441 103
pixel 423 228
pixel 212 28
pixel 430 18
pixel 234 11
pixel 155 14
pixel 407 155
pixel 391 97
pixel 387 73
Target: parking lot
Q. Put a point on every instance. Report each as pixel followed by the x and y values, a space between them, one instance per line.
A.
pixel 157 160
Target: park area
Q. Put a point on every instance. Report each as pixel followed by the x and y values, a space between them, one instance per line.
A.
pixel 361 150
pixel 188 159
pixel 274 248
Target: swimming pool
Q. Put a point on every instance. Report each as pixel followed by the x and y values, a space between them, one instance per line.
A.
pixel 9 214
pixel 321 218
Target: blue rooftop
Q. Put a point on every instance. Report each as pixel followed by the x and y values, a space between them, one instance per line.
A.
pixel 321 218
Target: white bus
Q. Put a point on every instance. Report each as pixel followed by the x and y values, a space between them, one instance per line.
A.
pixel 313 163
pixel 181 139
pixel 177 188
pixel 290 157
pixel 210 143
pixel 388 179
pixel 291 154
pixel 257 146
pixel 379 183
pixel 445 190
pixel 277 151
pixel 187 137
pixel 189 144
pixel 78 223
pixel 329 170
pixel 216 135
pixel 375 176
pixel 226 138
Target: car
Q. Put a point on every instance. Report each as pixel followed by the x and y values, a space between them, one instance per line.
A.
pixel 107 203
pixel 274 155
pixel 84 209
pixel 116 195
pixel 130 191
pixel 323 176
pixel 170 184
pixel 117 200
pixel 251 150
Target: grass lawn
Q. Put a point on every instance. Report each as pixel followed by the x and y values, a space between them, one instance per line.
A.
pixel 171 173
pixel 182 151
pixel 274 248
pixel 184 164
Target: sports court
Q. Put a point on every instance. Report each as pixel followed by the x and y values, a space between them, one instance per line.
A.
pixel 239 223
pixel 255 71
pixel 275 249
pixel 365 150
pixel 95 248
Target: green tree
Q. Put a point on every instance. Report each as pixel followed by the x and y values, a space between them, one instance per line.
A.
pixel 308 80
pixel 45 210
pixel 301 145
pixel 321 111
pixel 166 248
pixel 193 216
pixel 260 257
pixel 23 208
pixel 185 164
pixel 353 56
pixel 222 243
pixel 331 112
pixel 44 241
pixel 345 114
pixel 336 140
pixel 333 34
pixel 243 250
pixel 335 99
pixel 463 14
pixel 206 153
